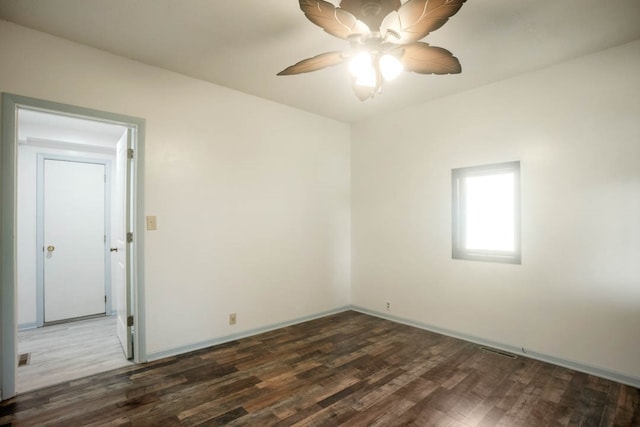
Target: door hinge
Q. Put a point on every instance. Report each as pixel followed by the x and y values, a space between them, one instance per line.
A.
pixel 129 237
pixel 129 321
pixel 105 299
pixel 130 153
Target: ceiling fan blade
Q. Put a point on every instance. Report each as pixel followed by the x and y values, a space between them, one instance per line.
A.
pixel 316 63
pixel 335 21
pixel 417 18
pixel 424 59
pixel 370 12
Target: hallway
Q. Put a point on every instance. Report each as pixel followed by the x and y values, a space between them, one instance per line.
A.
pixel 68 351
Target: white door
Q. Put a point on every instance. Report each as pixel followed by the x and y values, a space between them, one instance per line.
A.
pixel 74 239
pixel 120 255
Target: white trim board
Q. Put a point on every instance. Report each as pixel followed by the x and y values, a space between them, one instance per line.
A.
pixel 8 152
pixel 576 366
pixel 27 326
pixel 68 146
pixel 532 354
pixel 245 334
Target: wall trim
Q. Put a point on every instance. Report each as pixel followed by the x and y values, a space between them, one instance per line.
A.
pixel 67 146
pixel 576 366
pixel 8 144
pixel 245 334
pixel 27 326
pixel 532 354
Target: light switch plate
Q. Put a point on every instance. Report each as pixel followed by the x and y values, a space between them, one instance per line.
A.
pixel 152 223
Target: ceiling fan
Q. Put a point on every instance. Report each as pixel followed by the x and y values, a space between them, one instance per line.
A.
pixel 383 37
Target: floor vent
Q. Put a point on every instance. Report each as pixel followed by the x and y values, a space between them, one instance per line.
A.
pixel 24 359
pixel 498 352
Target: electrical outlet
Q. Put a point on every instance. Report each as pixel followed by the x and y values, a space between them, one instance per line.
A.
pixel 232 319
pixel 388 306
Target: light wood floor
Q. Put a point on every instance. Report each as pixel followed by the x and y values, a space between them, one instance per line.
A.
pixel 68 351
pixel 347 369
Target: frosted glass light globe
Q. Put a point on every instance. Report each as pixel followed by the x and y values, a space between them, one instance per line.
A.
pixel 367 78
pixel 361 67
pixel 360 64
pixel 390 67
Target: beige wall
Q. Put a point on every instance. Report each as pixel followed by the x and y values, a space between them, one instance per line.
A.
pixel 252 197
pixel 575 128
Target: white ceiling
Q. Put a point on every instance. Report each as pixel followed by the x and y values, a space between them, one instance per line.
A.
pixel 242 44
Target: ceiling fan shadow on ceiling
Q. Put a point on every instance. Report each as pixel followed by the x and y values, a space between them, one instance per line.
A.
pixel 383 37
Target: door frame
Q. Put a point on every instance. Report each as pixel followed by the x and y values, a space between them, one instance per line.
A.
pixel 8 234
pixel 40 294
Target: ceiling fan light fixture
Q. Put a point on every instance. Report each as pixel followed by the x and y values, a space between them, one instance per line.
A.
pixel 367 78
pixel 384 38
pixel 390 67
pixel 360 64
pixel 362 68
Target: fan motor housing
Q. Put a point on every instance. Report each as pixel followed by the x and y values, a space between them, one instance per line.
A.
pixel 371 8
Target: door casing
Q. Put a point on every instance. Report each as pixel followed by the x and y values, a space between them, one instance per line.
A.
pixel 8 234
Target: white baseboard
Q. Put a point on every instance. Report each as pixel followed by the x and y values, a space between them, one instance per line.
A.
pixel 27 326
pixel 221 340
pixel 576 366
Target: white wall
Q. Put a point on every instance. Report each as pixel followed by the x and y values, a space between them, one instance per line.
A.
pixel 252 197
pixel 26 225
pixel 575 128
pixel 253 201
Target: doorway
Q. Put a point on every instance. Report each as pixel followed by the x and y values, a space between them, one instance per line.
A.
pixel 99 274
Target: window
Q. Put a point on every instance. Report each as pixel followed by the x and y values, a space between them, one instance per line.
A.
pixel 486 213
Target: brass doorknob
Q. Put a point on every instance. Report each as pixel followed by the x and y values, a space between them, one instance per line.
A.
pixel 51 248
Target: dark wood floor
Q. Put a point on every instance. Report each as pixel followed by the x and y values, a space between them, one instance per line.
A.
pixel 349 369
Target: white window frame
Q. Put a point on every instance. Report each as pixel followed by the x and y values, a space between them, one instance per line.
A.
pixel 458 190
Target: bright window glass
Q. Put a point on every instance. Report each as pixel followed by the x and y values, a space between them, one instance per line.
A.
pixel 490 215
pixel 486 212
